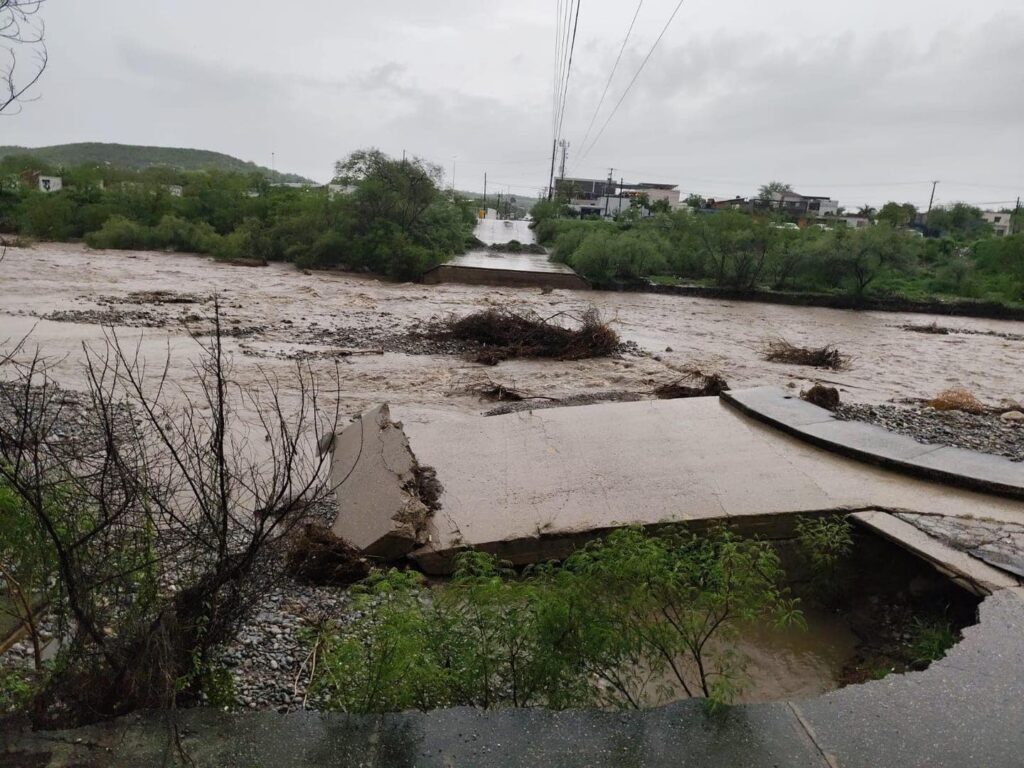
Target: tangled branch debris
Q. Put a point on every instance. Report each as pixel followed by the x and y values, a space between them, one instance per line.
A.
pixel 957 399
pixel 493 335
pixel 693 383
pixel 781 351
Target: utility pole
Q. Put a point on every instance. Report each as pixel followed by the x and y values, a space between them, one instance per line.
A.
pixel 607 189
pixel 931 200
pixel 565 146
pixel 1015 219
pixel 551 178
pixel 485 189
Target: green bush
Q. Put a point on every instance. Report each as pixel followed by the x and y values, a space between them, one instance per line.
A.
pixel 825 545
pixel 596 630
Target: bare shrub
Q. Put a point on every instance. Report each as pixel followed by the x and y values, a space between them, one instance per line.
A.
pixel 163 517
pixel 781 351
pixel 957 399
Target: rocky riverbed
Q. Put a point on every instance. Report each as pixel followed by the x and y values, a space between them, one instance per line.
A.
pixel 987 432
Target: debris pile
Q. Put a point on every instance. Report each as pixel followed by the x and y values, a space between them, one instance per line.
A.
pixel 693 383
pixel 493 335
pixel 781 351
pixel 317 556
pixel 957 399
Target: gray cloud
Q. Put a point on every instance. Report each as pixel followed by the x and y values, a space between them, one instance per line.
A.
pixel 856 101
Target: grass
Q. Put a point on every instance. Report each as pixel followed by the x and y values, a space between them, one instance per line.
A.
pixel 929 641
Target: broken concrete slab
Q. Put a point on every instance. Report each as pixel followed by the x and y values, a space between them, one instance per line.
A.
pixel 1000 544
pixel 376 479
pixel 533 485
pixel 969 572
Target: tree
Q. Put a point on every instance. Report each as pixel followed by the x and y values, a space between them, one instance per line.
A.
pixel 867 212
pixel 396 192
pixel 695 201
pixel 897 215
pixel 737 247
pixel 768 191
pixel 20 30
pixel 959 220
pixel 863 253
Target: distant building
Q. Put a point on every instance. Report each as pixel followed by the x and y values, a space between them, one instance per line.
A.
pixel 175 190
pixel 654 192
pixel 586 189
pixel 1000 222
pixel 731 203
pixel 333 190
pixel 36 180
pixel 854 222
pixel 796 204
pixel 608 198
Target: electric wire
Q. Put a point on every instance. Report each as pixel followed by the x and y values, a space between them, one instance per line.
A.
pixel 625 93
pixel 568 69
pixel 615 66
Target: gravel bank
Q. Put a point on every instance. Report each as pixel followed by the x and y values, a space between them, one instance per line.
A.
pixel 986 433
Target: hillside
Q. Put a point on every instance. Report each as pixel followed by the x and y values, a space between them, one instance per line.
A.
pixel 134 157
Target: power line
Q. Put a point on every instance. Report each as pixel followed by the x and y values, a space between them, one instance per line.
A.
pixel 568 69
pixel 563 45
pixel 611 74
pixel 622 98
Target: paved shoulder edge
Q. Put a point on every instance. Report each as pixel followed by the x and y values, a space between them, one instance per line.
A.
pixel 961 468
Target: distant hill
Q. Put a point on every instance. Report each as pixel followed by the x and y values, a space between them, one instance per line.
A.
pixel 134 157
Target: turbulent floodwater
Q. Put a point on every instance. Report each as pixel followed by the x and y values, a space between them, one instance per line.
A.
pixel 276 307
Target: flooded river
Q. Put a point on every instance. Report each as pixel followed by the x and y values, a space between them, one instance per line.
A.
pixel 276 307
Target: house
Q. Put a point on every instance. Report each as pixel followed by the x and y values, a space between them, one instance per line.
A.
pixel 608 198
pixel 175 190
pixel 734 203
pixel 1000 221
pixel 36 180
pixel 654 192
pixel 796 204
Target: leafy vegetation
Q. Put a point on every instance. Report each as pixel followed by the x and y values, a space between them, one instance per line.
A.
pixel 735 250
pixel 824 544
pixel 929 640
pixel 628 621
pixel 382 215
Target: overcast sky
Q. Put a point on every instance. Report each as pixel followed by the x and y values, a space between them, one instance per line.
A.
pixel 866 101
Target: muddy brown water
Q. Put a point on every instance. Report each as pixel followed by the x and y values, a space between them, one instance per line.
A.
pixel 887 361
pixel 281 303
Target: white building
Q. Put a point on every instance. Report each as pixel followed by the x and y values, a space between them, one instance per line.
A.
pixel 38 181
pixel 1000 222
